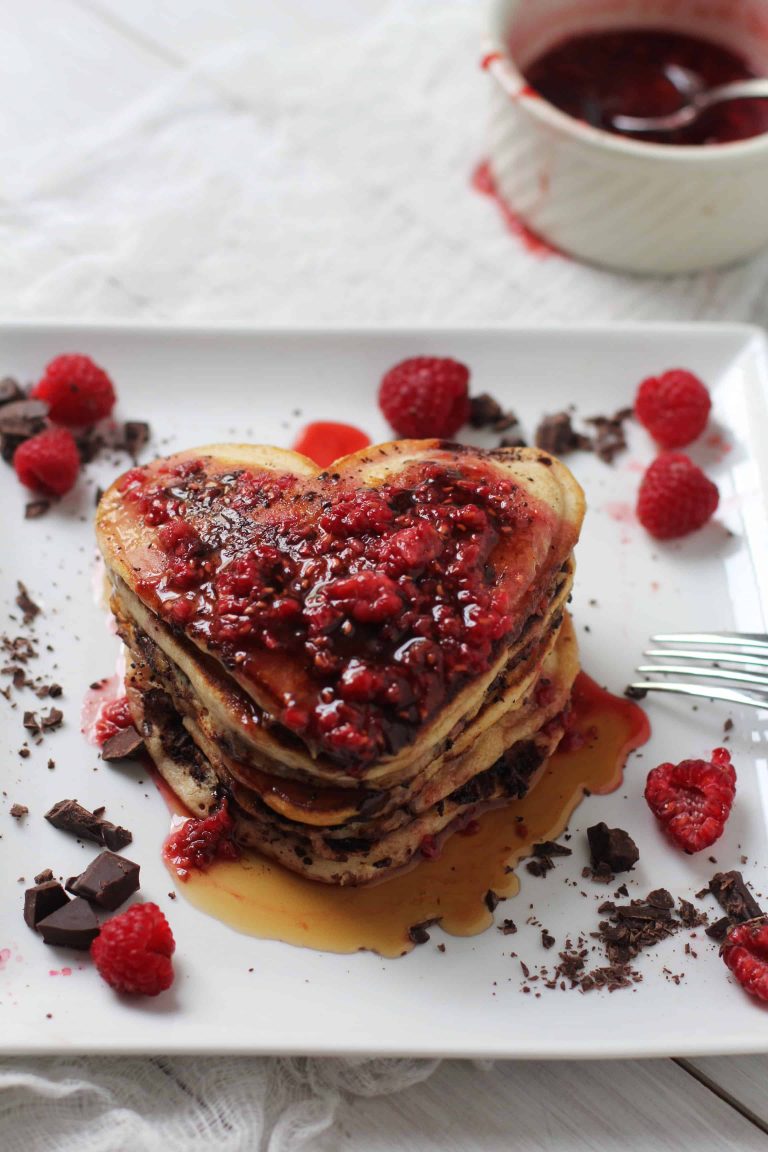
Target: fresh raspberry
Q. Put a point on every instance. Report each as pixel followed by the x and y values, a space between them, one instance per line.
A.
pixel 692 800
pixel 674 407
pixel 133 951
pixel 426 396
pixel 76 390
pixel 745 951
pixel 675 497
pixel 48 462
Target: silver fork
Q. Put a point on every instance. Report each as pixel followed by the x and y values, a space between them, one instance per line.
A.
pixel 713 665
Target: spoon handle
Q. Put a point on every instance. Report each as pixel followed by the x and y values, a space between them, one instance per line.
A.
pixel 736 90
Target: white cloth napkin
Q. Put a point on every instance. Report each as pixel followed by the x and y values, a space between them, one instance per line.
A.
pixel 327 183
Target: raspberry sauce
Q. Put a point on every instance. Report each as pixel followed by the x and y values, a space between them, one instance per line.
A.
pixel 596 76
pixel 324 442
pixel 450 883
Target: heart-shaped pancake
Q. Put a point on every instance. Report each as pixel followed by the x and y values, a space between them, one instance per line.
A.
pixel 356 608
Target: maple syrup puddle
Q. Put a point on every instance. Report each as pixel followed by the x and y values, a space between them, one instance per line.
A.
pixel 261 898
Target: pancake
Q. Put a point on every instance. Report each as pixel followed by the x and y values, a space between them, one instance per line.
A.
pixel 356 658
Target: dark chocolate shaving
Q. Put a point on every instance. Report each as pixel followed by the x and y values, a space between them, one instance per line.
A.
pixel 69 816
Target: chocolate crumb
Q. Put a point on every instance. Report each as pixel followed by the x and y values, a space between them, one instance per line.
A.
pixel 507 927
pixel 27 605
pixel 42 877
pixel 34 509
pixel 441 947
pixel 418 934
pixel 19 810
pixel 547 939
pixel 491 900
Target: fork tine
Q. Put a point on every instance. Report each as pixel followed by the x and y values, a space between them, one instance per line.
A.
pixel 715 693
pixel 706 673
pixel 727 639
pixel 728 657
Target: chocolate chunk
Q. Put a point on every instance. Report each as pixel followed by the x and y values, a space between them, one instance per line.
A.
pixel 39 902
pixel 23 418
pixel 19 810
pixel 70 816
pixel 734 897
pixel 719 929
pixel 556 435
pixel 486 412
pixel 10 390
pixel 46 874
pixel 124 744
pixel 107 881
pixel 491 900
pixel 72 926
pixel 52 719
pixel 547 939
pixel 508 927
pixel 551 848
pixel 612 847
pixel 27 605
pixel 35 509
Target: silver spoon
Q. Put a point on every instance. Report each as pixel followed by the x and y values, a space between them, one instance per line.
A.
pixel 697 100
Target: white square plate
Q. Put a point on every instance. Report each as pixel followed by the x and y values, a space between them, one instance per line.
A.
pixel 234 993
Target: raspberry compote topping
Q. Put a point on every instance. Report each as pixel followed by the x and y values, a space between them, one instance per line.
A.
pixel 113 717
pixel 383 602
pixel 197 843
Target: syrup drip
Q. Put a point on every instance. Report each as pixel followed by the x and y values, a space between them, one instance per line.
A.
pixel 261 898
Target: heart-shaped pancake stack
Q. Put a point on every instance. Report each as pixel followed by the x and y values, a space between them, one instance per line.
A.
pixel 360 659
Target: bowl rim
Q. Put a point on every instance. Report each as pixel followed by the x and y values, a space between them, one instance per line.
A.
pixel 499 63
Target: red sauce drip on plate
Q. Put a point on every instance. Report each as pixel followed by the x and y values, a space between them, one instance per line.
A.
pixel 596 76
pixel 325 442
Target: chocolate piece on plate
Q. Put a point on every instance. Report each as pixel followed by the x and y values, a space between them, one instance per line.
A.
pixel 124 744
pixel 35 509
pixel 10 389
pixel 107 881
pixel 732 893
pixel 612 847
pixel 42 900
pixel 70 816
pixel 556 435
pixel 74 925
pixel 20 420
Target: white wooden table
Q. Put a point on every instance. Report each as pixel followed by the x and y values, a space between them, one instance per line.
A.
pixel 200 159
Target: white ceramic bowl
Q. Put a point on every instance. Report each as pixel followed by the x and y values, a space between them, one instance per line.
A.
pixel 640 207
